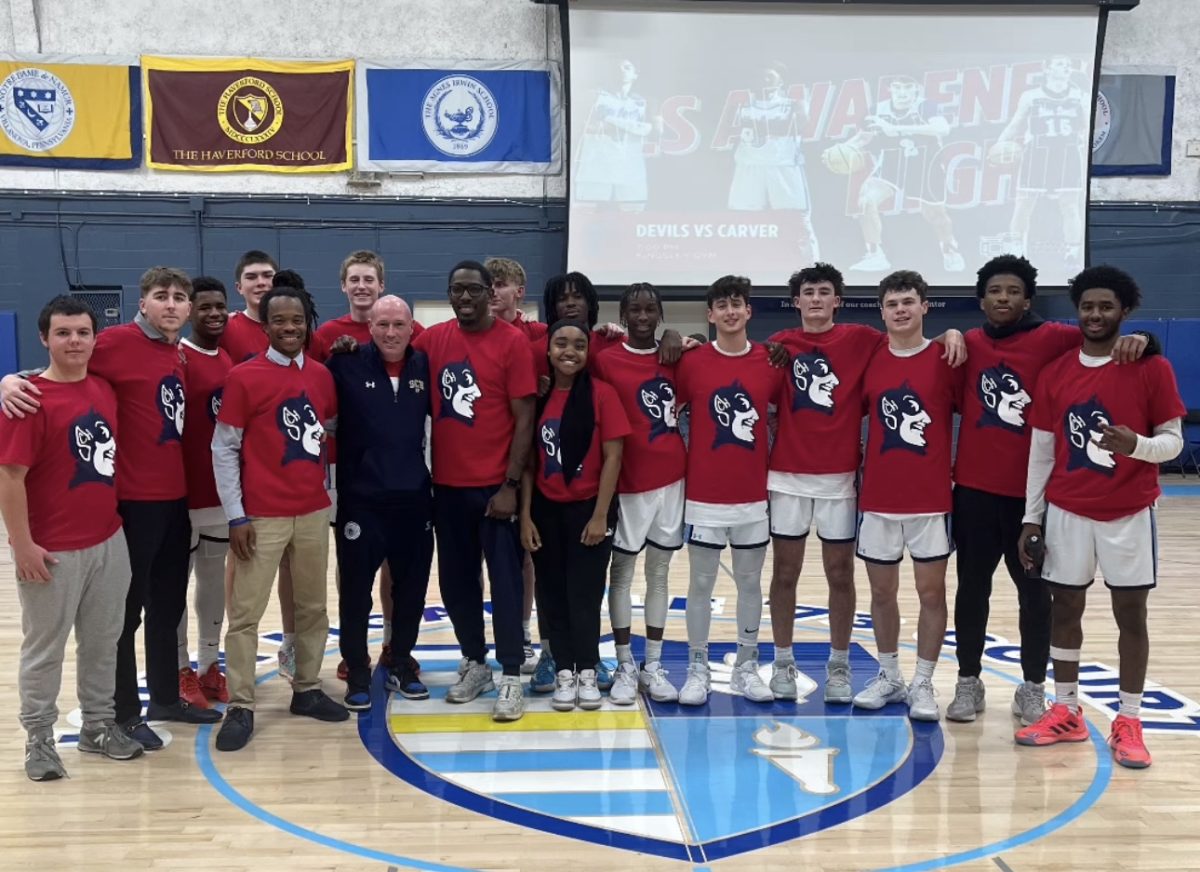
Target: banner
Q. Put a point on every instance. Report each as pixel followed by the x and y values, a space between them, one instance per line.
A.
pixel 241 114
pixel 459 117
pixel 66 112
pixel 1134 117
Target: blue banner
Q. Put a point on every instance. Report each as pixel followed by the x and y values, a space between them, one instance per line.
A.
pixel 1134 119
pixel 473 117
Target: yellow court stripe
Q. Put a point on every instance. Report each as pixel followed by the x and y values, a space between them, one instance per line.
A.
pixel 532 721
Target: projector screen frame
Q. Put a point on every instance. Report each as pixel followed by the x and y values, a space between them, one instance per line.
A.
pixel 1103 9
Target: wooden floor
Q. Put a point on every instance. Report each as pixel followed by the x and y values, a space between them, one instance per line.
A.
pixel 306 796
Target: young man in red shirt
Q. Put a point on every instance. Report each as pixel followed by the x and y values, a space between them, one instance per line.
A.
pixel 59 506
pixel 728 386
pixel 1006 357
pixel 1099 433
pixel 650 491
pixel 908 395
pixel 244 336
pixel 508 288
pixel 483 396
pixel 205 367
pixel 268 459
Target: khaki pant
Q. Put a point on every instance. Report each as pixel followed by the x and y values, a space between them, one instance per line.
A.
pixel 306 542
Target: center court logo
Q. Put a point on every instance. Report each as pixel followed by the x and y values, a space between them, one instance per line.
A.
pixel 250 111
pixel 37 111
pixel 459 116
pixel 650 778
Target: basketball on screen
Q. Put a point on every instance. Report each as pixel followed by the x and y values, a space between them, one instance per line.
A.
pixel 843 159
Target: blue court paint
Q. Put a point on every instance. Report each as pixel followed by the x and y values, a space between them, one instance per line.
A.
pixel 1181 490
pixel 617 802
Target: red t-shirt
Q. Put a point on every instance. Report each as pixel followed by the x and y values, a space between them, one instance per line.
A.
pixel 611 423
pixel 909 403
pixel 820 416
pixel 204 379
pixel 728 396
pixel 532 329
pixel 995 392
pixel 280 411
pixel 329 332
pixel 243 338
pixel 597 344
pixel 654 454
pixel 1073 402
pixel 476 377
pixel 147 375
pixel 69 448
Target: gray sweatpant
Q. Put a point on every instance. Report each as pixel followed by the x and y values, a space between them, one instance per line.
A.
pixel 87 591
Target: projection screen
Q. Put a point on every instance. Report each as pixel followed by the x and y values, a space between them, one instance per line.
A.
pixel 714 138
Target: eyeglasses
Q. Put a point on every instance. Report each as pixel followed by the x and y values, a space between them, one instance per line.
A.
pixel 473 289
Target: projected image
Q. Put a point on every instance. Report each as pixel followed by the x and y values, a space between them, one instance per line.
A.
pixel 712 142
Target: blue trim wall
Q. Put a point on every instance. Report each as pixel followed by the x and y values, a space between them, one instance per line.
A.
pixel 49 242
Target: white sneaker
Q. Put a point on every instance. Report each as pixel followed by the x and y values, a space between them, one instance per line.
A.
pixel 921 703
pixel 696 687
pixel 746 681
pixel 587 692
pixel 1029 703
pixel 653 680
pixel 880 691
pixel 564 691
pixel 783 679
pixel 968 699
pixel 474 680
pixel 625 684
pixel 837 683
pixel 510 699
pixel 531 659
pixel 873 261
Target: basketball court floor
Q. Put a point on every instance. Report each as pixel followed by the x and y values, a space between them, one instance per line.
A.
pixel 734 785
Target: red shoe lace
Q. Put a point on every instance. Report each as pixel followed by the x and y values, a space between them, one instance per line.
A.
pixel 189 685
pixel 1127 730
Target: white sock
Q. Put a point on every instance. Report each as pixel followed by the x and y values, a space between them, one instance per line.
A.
pixel 783 655
pixel 746 652
pixel 698 654
pixel 624 654
pixel 1131 704
pixel 289 640
pixel 654 650
pixel 525 630
pixel 890 664
pixel 838 656
pixel 387 632
pixel 1067 692
pixel 924 670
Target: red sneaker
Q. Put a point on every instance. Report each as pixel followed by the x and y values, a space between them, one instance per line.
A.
pixel 212 685
pixel 1126 742
pixel 385 656
pixel 343 671
pixel 189 689
pixel 1058 724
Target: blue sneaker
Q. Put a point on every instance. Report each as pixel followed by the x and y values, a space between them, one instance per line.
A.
pixel 404 681
pixel 604 676
pixel 357 700
pixel 544 675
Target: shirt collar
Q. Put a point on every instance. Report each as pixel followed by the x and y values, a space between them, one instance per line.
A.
pixel 211 352
pixel 283 360
pixel 151 331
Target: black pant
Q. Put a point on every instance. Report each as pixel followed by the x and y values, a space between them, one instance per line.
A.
pixel 570 579
pixel 986 528
pixel 366 534
pixel 159 536
pixel 465 538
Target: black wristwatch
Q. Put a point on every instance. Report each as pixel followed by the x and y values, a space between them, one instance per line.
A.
pixel 514 483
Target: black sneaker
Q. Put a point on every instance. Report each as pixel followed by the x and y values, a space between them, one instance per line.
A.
pixel 181 711
pixel 357 699
pixel 237 729
pixel 138 730
pixel 315 704
pixel 404 681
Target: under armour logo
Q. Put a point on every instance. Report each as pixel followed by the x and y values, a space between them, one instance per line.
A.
pixel 370 384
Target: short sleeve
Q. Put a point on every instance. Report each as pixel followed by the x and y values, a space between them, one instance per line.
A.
pixel 613 422
pixel 682 395
pixel 520 381
pixel 21 439
pixel 235 401
pixel 1061 338
pixel 1163 391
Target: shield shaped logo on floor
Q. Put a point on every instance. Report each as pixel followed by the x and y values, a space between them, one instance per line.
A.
pixel 690 783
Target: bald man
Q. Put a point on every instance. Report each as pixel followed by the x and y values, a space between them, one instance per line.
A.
pixel 385 507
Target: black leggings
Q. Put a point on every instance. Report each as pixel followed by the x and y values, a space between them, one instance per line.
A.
pixel 986 527
pixel 570 579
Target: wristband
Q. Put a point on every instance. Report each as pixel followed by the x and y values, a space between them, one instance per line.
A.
pixel 239 522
